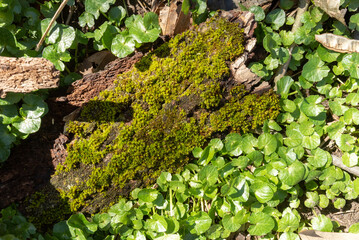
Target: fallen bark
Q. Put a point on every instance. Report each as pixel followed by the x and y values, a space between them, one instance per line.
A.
pixel 26 75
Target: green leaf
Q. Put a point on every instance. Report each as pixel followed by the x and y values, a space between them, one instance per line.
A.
pixel 351 116
pixel 295 138
pixel 320 158
pixel 322 223
pixel 293 174
pixel 345 142
pixel 287 37
pixel 95 6
pixel 123 45
pixel 286 4
pixel 117 14
pixel 232 222
pixel 312 199
pixel 163 180
pixel 86 19
pixel 67 37
pixel 268 143
pixel 354 22
pixel 148 195
pixel 289 221
pixel 233 144
pixel 103 220
pixel 208 175
pixel 8 114
pixel 289 236
pixel 314 70
pixel 323 201
pixel 214 232
pixel 352 99
pixel 311 142
pixel 311 106
pixel 350 63
pixel 248 143
pixel 199 222
pixel 51 54
pixel 261 224
pixel 27 125
pixel 327 55
pixel 7 38
pixel 186 6
pixel 262 191
pixel 79 222
pixel 354 228
pixel 258 12
pixel 276 18
pixel 350 159
pixel 339 203
pixel 283 86
pixel 337 106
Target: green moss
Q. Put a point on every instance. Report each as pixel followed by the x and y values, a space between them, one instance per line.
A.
pixel 45 208
pixel 172 101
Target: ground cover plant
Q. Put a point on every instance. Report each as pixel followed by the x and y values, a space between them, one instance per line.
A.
pixel 256 182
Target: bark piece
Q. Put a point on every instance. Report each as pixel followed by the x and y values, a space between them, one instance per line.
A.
pixel 338 43
pixel 26 75
pixel 318 235
pixel 331 7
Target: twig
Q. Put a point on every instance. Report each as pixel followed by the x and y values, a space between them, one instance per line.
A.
pixel 71 12
pixel 302 7
pixel 337 161
pixel 57 13
pixel 143 7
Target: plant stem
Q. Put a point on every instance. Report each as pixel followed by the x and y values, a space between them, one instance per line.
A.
pixel 302 7
pixel 171 212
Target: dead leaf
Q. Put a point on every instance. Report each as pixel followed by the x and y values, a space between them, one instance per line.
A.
pixel 331 7
pixel 338 43
pixel 318 235
pixel 96 62
pixel 172 20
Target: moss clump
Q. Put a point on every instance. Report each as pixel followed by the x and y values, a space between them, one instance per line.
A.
pixel 45 208
pixel 173 100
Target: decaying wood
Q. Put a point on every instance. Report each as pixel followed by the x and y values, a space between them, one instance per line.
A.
pixel 240 72
pixel 338 43
pixel 26 75
pixel 337 161
pixel 331 7
pixel 318 235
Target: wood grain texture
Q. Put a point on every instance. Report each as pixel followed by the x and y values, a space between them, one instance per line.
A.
pixel 26 75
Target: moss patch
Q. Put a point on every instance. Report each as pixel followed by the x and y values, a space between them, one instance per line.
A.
pixel 174 99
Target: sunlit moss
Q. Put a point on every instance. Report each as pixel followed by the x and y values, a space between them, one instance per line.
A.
pixel 170 102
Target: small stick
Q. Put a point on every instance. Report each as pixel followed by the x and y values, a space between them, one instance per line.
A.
pixel 303 5
pixel 57 13
pixel 337 161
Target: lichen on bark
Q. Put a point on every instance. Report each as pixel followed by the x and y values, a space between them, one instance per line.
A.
pixel 176 98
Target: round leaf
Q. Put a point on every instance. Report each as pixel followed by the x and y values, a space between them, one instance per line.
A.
pixel 261 224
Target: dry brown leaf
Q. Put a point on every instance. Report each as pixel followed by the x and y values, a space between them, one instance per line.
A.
pixel 172 20
pixel 96 62
pixel 331 7
pixel 338 43
pixel 318 235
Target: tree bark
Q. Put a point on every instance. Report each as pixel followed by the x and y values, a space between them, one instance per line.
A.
pixel 26 75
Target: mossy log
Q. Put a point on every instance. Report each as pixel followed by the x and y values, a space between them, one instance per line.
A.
pixel 176 98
